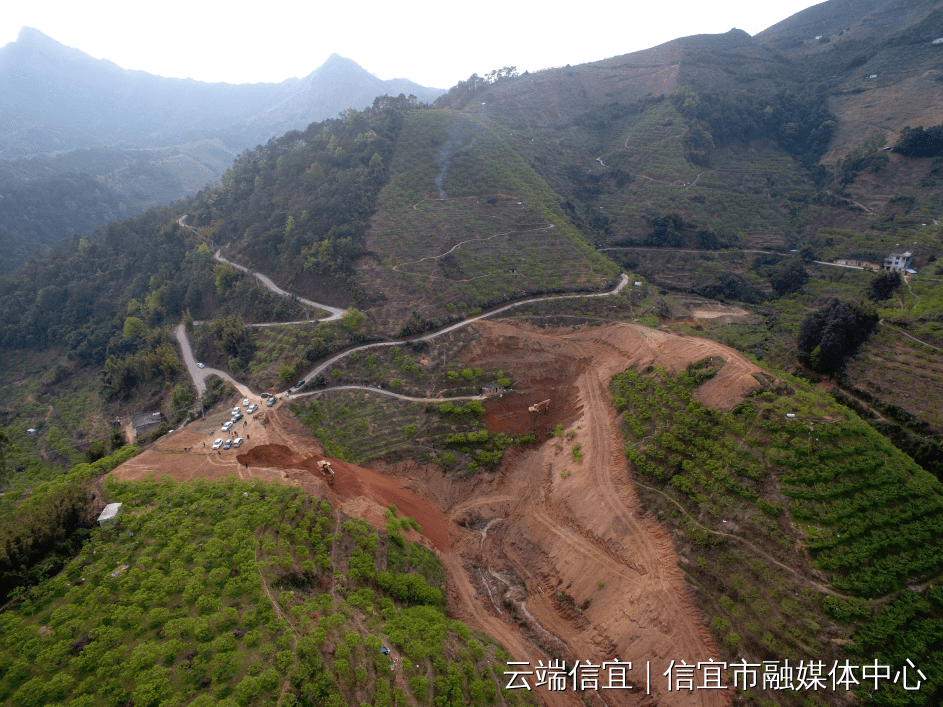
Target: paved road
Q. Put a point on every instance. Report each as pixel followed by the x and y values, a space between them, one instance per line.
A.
pixel 623 281
pixel 384 391
pixel 659 249
pixel 199 374
pixel 335 313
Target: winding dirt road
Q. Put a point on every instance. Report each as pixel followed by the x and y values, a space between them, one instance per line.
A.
pixel 335 312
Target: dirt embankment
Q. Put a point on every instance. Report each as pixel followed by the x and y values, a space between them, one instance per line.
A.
pixel 279 447
pixel 552 556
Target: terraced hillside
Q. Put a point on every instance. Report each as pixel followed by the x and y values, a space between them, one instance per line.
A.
pixel 465 222
pixel 222 593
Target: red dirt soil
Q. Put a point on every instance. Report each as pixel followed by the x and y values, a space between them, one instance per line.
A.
pixel 524 548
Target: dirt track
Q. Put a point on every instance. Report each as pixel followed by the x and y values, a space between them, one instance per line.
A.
pixel 526 547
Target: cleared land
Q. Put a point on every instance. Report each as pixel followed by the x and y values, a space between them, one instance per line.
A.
pixel 551 555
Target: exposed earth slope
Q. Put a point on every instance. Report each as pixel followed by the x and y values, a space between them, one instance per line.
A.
pixel 550 555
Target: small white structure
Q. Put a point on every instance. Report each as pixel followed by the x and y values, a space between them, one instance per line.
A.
pixel 32 431
pixel 108 515
pixel 938 40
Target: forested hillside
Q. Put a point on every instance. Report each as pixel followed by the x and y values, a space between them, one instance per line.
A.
pixel 300 204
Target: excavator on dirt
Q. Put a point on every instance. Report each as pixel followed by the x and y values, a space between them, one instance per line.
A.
pixel 324 466
pixel 539 407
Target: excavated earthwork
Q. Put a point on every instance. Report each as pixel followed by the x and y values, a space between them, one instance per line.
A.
pixel 551 556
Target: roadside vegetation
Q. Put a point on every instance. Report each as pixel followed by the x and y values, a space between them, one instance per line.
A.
pixel 100 313
pixel 420 369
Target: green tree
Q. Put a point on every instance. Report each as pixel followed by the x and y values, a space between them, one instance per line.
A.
pixel 788 277
pixel 353 320
pixel 134 328
pixel 286 373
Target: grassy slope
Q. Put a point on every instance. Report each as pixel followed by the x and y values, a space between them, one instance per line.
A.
pixel 360 426
pixel 232 593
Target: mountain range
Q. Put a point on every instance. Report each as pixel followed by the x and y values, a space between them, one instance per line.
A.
pixel 107 142
pixel 56 98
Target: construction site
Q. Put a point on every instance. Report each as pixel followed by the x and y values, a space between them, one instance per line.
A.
pixel 551 557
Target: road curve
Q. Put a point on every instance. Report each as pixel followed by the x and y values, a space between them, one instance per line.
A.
pixel 335 313
pixel 199 375
pixel 623 281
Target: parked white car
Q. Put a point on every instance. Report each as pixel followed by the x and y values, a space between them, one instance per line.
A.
pixel 217 444
pixel 252 409
pixel 238 442
pixel 227 425
pixel 246 401
pixel 201 365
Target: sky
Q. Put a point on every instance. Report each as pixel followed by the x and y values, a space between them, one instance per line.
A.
pixel 432 43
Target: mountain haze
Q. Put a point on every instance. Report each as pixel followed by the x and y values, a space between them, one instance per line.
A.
pixel 106 142
pixel 56 98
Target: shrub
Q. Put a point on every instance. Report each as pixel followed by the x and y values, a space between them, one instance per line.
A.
pixel 419 686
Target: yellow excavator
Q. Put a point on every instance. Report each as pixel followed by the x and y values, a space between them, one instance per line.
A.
pixel 324 466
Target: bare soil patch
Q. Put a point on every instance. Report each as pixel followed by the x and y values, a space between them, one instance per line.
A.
pixel 719 311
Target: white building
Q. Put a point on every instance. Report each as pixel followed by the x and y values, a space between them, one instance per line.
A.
pixel 898 261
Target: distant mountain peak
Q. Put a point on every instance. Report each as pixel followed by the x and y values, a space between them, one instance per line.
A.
pixel 27 33
pixel 32 39
pixel 336 61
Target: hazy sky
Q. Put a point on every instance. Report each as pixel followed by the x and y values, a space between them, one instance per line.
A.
pixel 432 43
